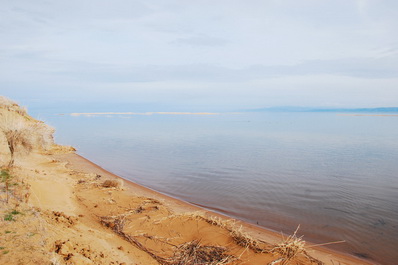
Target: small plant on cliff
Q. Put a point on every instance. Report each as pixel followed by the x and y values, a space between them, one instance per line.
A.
pixel 6 177
pixel 22 132
pixel 8 104
pixel 17 133
pixel 10 216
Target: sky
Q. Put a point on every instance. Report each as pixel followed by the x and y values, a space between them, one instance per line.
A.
pixel 167 55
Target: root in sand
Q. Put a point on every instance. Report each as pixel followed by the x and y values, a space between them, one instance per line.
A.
pixel 291 248
pixel 190 253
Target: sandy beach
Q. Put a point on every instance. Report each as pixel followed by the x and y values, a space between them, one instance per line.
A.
pixel 59 208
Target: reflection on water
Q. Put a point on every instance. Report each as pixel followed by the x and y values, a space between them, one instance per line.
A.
pixel 334 175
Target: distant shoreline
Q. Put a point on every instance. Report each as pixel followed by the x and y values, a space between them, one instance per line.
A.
pixel 379 115
pixel 140 113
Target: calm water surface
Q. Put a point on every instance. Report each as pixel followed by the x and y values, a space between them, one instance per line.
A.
pixel 334 175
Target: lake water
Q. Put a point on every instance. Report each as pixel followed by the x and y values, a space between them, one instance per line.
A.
pixel 335 175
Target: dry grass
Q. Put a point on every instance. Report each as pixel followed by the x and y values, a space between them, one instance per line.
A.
pixel 237 233
pixel 117 225
pixel 290 248
pixel 290 251
pixel 42 137
pixel 192 253
pixel 15 189
pixel 8 104
pixel 112 183
pixel 17 133
pixel 22 132
pixel 245 240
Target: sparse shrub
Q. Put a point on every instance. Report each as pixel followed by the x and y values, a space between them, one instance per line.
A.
pixel 116 183
pixel 9 104
pixel 10 216
pixel 43 137
pixel 14 212
pixel 6 178
pixel 22 132
pixel 290 248
pixel 17 133
pixel 194 253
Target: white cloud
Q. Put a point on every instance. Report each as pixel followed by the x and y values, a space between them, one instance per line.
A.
pixel 207 46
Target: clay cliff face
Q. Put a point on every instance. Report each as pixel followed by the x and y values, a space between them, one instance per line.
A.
pixel 21 133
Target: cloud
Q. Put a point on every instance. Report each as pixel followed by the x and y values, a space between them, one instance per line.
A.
pixel 368 68
pixel 83 72
pixel 174 48
pixel 24 69
pixel 201 41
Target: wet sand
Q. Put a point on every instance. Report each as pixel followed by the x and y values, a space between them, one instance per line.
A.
pixel 184 215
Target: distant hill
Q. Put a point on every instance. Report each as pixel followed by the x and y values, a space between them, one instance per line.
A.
pixel 341 110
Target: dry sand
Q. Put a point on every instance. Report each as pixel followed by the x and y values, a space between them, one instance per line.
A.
pixel 67 212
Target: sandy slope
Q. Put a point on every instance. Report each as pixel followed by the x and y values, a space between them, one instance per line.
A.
pixel 66 216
